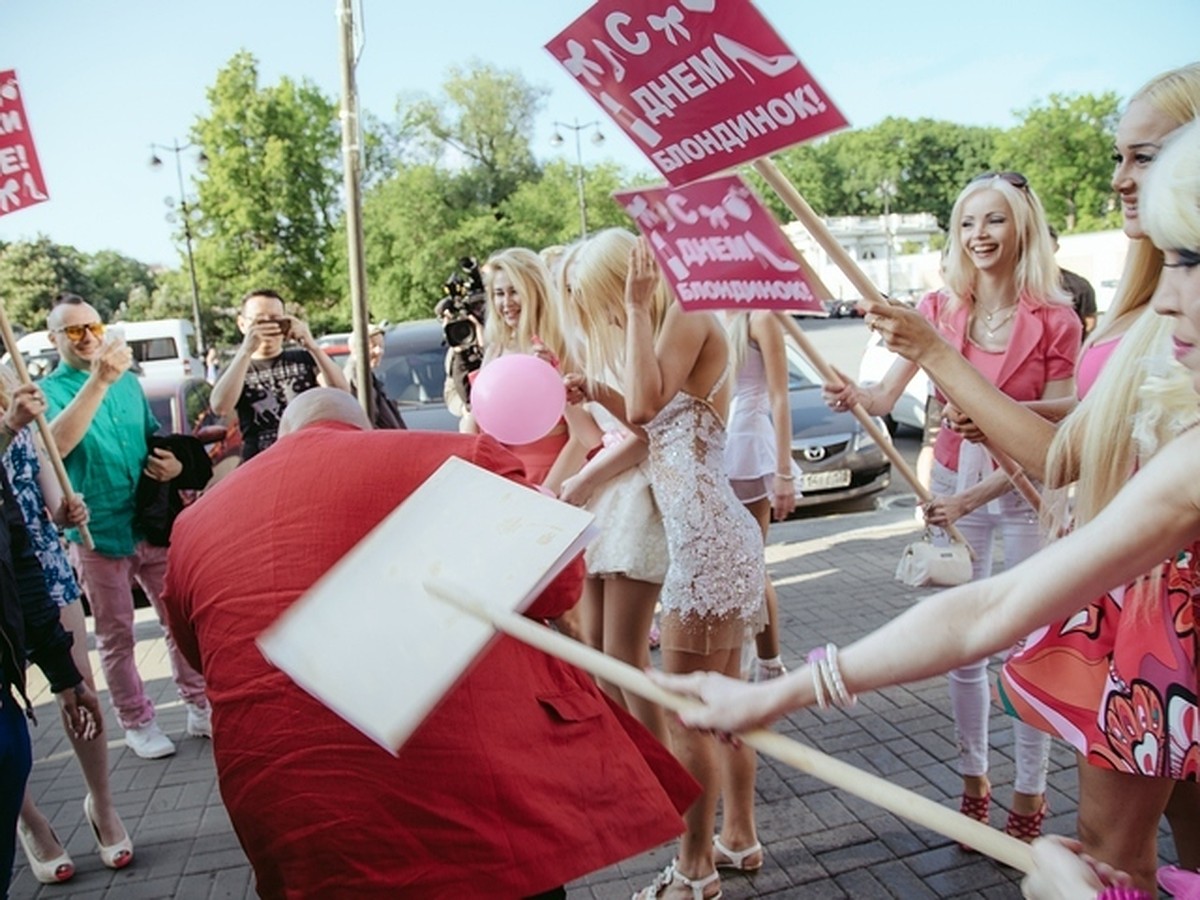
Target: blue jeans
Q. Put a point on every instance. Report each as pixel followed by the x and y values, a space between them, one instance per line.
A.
pixel 16 759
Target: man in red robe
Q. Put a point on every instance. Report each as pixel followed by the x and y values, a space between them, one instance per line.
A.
pixel 524 778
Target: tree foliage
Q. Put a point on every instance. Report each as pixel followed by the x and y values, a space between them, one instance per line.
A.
pixel 268 201
pixel 480 125
pixel 456 175
pixel 33 273
pixel 1063 148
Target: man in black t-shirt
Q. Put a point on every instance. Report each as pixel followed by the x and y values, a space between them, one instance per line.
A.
pixel 264 377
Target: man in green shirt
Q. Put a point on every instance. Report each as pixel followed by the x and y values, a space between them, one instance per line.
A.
pixel 101 422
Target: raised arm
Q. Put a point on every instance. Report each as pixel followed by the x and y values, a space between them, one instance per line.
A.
pixel 331 374
pixel 656 369
pixel 69 426
pixel 1155 515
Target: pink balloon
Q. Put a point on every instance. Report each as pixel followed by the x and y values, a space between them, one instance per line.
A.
pixel 518 398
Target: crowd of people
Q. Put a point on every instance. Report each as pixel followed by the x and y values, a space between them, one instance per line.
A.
pixel 676 436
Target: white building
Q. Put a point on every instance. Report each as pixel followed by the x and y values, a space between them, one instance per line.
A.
pixel 876 243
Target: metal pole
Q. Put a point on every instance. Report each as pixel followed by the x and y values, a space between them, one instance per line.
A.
pixel 177 149
pixel 579 183
pixel 354 231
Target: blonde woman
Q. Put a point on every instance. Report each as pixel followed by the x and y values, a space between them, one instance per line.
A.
pixel 606 470
pixel 1154 514
pixel 758 452
pixel 1004 311
pixel 675 384
pixel 1061 675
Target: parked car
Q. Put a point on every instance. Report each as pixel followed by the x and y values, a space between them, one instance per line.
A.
pixel 181 406
pixel 910 408
pixel 414 374
pixel 837 456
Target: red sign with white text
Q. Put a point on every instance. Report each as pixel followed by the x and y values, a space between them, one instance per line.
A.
pixel 21 182
pixel 719 247
pixel 699 85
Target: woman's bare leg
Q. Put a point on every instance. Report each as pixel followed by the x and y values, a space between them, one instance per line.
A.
pixel 698 754
pixel 1118 819
pixel 1183 812
pixel 767 640
pixel 628 613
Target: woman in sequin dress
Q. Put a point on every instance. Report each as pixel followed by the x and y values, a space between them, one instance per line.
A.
pixel 675 369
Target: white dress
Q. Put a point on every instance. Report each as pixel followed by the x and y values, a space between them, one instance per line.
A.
pixel 632 540
pixel 750 442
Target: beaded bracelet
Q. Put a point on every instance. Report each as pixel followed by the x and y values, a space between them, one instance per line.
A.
pixel 1123 893
pixel 788 477
pixel 828 686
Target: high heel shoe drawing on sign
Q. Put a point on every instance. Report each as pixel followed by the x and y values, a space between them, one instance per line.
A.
pixel 770 66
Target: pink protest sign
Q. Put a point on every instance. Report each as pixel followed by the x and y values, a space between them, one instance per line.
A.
pixel 719 247
pixel 699 85
pixel 21 182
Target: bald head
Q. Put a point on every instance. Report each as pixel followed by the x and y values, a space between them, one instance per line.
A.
pixel 322 404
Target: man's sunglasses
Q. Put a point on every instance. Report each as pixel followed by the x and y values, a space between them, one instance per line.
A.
pixel 1016 179
pixel 75 333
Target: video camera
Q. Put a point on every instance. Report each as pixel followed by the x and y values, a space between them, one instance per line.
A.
pixel 461 312
pixel 463 306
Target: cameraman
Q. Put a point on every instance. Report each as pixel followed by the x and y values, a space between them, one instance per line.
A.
pixel 461 313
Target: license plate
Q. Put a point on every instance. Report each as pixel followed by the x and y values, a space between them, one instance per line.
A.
pixel 824 481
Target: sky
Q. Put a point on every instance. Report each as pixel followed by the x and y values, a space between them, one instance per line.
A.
pixel 102 80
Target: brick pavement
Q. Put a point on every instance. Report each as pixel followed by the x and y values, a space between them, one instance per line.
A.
pixel 834 579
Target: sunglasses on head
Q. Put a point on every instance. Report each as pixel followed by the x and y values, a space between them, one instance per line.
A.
pixel 1016 179
pixel 75 333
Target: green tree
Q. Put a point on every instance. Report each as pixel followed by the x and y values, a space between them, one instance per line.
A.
pixel 479 125
pixel 33 273
pixel 268 200
pixel 1064 148
pixel 116 279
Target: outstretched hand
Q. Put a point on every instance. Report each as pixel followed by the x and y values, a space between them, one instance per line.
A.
pixel 841 397
pixel 904 330
pixel 729 705
pixel 1061 871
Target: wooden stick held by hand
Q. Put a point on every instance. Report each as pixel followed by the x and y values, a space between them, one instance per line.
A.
pixel 872 788
pixel 60 471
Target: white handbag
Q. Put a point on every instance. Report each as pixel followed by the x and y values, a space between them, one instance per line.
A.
pixel 923 565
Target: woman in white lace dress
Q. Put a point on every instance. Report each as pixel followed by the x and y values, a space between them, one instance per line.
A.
pixel 676 385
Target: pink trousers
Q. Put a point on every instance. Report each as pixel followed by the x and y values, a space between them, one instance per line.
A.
pixel 108 583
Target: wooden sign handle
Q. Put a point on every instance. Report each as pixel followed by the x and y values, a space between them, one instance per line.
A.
pixel 60 471
pixel 830 375
pixel 869 787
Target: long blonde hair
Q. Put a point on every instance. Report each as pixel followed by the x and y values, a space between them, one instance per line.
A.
pixel 539 312
pixel 1036 274
pixel 1095 444
pixel 1175 94
pixel 596 311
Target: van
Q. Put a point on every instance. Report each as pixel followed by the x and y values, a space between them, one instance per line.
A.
pixel 163 347
pixel 160 347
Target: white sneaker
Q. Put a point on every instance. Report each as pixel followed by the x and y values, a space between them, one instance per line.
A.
pixel 148 741
pixel 199 720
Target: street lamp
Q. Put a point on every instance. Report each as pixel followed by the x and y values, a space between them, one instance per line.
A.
pixel 201 160
pixel 597 138
pixel 887 190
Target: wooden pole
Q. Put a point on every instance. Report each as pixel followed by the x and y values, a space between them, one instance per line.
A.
pixel 60 471
pixel 1016 475
pixel 831 376
pixel 872 788
pixel 813 224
